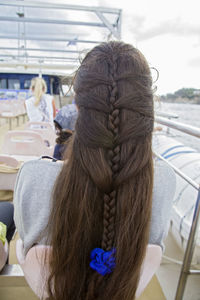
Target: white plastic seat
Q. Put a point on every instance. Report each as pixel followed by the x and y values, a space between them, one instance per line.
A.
pixel 3 254
pixel 45 129
pixel 12 107
pixel 9 167
pixel 33 267
pixel 25 143
pixel 6 108
pixel 150 265
pixel 36 275
pixel 9 161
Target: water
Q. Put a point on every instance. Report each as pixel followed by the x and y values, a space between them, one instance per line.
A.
pixel 188 114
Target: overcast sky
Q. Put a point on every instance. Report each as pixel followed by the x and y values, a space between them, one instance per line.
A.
pixel 167 32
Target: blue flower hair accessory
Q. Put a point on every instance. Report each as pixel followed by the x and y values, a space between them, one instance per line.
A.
pixel 103 261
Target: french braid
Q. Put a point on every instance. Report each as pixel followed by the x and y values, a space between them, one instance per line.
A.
pixel 113 160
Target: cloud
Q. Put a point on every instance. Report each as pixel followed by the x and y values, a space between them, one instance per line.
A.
pixel 194 62
pixel 176 27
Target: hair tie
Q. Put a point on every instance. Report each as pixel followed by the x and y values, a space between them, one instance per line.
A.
pixel 103 261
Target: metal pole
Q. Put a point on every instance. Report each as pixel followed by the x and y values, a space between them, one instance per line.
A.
pixel 75 59
pixel 194 272
pixel 108 25
pixel 189 251
pixel 119 21
pixel 166 115
pixel 194 131
pixel 60 6
pixel 50 39
pixel 40 50
pixel 35 65
pixel 180 173
pixel 50 21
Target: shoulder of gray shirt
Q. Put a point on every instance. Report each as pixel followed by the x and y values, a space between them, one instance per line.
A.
pixel 163 195
pixel 35 183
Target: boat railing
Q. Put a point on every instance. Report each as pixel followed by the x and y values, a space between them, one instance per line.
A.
pixel 167 115
pixel 189 251
pixel 191 130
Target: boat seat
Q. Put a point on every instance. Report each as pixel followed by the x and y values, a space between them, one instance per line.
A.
pixel 25 142
pixel 9 161
pixel 9 168
pixel 36 275
pixel 45 129
pixel 150 265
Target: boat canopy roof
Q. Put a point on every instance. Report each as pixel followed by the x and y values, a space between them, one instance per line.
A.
pixel 48 37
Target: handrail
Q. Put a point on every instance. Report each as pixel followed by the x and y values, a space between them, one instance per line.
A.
pixel 181 174
pixel 186 265
pixel 191 130
pixel 166 114
pixel 185 270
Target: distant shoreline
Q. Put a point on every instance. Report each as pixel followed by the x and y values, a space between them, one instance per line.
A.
pixel 181 100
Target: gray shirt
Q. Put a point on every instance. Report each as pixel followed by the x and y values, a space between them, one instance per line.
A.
pixel 32 200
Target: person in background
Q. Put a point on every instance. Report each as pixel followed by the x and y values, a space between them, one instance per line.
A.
pixel 64 124
pixel 110 198
pixel 7 230
pixel 41 106
pixel 6 217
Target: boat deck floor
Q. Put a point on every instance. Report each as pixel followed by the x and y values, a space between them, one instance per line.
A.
pixel 169 272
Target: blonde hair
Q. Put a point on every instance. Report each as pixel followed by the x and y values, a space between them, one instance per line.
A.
pixel 38 87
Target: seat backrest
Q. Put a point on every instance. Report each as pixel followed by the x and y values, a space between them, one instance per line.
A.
pixel 6 108
pixel 9 161
pixel 7 181
pixel 9 167
pixel 33 267
pixel 150 265
pixel 3 254
pixel 24 143
pixel 45 129
pixel 43 125
pixel 36 275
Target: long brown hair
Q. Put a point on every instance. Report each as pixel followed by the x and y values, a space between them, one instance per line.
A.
pixel 103 195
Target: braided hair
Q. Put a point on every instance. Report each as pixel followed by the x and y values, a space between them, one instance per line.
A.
pixel 103 194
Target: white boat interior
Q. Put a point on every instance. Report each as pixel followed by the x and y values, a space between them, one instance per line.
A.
pixel 164 284
pixel 177 277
